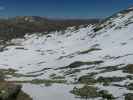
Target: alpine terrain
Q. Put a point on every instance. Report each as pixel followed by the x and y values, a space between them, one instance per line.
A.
pixel 93 62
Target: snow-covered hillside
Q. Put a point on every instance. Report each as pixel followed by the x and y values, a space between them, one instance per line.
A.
pixel 102 53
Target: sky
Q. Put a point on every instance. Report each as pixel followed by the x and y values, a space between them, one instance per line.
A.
pixel 63 8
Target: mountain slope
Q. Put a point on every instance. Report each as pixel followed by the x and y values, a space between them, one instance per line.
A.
pixel 99 56
pixel 17 27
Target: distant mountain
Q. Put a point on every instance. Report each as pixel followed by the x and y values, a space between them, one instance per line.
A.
pixel 28 19
pixel 20 25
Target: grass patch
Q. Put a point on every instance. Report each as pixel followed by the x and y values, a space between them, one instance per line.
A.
pixel 106 95
pixel 86 79
pixel 72 71
pixel 47 82
pixel 108 80
pixel 110 68
pixel 80 63
pixel 128 69
pixel 98 28
pixel 39 81
pixel 87 92
pixel 54 76
pixel 13 72
pixel 130 86
pixel 129 96
pixel 89 50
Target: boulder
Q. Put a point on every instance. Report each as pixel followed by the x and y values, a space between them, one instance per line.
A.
pixel 8 91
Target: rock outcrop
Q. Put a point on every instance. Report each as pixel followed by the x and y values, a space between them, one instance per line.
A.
pixel 9 91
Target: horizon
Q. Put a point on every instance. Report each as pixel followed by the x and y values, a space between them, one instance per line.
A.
pixel 62 9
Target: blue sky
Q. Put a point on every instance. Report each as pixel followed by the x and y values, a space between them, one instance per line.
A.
pixel 63 8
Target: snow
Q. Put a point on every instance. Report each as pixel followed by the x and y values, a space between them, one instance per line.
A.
pixel 40 92
pixel 55 92
pixel 59 49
